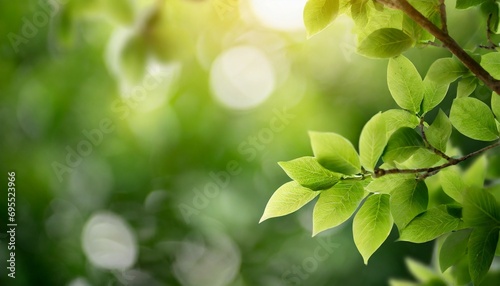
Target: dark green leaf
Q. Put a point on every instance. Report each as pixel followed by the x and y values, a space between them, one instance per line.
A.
pixel 481 250
pixel 453 248
pixel 480 208
pixel 429 225
pixel 409 200
pixel 464 4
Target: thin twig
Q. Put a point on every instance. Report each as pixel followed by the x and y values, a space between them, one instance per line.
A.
pixel 429 145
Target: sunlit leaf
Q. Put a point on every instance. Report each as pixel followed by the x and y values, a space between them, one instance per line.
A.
pixel 385 43
pixel 372 225
pixel 446 70
pixel 397 118
pixel 309 173
pixel 336 205
pixel 491 63
pixel 453 249
pixel 405 83
pixel 420 271
pixel 402 144
pixel 481 250
pixel 287 199
pixel 439 132
pixel 318 14
pixel 409 200
pixel 335 152
pixel 452 183
pixel 495 104
pixel 474 119
pixel 466 86
pixel 429 225
pixel 434 93
pixel 372 141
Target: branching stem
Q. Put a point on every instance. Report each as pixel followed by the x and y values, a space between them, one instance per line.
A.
pixel 429 145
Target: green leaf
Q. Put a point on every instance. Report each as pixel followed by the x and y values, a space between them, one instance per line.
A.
pixel 309 173
pixel 397 282
pixel 336 205
pixel 464 4
pixel 476 173
pixel 452 183
pixel 318 14
pixel 405 83
pixel 133 59
pixel 439 132
pixel 388 183
pixel 446 70
pixel 422 158
pixel 397 118
pixel 434 93
pixel 473 118
pixel 287 199
pixel 480 208
pixel 461 272
pixel 429 225
pixel 335 152
pixel 372 225
pixel 385 43
pixel 420 271
pixel 466 86
pixel 491 63
pixel 402 144
pixel 482 244
pixel 409 200
pixel 453 249
pixel 372 141
pixel 495 104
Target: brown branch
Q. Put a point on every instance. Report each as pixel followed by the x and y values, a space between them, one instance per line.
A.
pixel 442 12
pixel 429 145
pixel 447 41
pixel 433 170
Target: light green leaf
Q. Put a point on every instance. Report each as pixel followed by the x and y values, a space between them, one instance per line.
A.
pixel 495 104
pixel 385 43
pixel 372 225
pixel 439 132
pixel 402 144
pixel 422 158
pixel 429 225
pixel 335 152
pixel 434 93
pixel 372 141
pixel 397 118
pixel 466 86
pixel 452 182
pixel 464 4
pixel 420 271
pixel 397 282
pixel 491 63
pixel 405 83
pixel 473 118
pixel 287 199
pixel 409 200
pixel 446 70
pixel 336 205
pixel 476 173
pixel 482 244
pixel 309 173
pixel 318 14
pixel 388 183
pixel 453 248
pixel 480 208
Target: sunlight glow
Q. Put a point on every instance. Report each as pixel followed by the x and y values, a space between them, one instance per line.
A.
pixel 279 14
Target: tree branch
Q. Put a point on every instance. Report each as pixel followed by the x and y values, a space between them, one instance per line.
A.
pixel 429 145
pixel 447 41
pixel 432 170
pixel 442 12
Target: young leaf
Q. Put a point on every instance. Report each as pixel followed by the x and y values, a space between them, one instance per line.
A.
pixel 372 225
pixel 491 63
pixel 480 208
pixel 309 173
pixel 387 184
pixel 287 199
pixel 429 225
pixel 453 249
pixel 402 144
pixel 466 86
pixel 372 141
pixel 434 93
pixel 439 132
pixel 446 70
pixel 335 152
pixel 405 83
pixel 409 200
pixel 473 118
pixel 336 205
pixel 495 104
pixel 420 271
pixel 482 244
pixel 385 43
pixel 318 14
pixel 397 118
pixel 452 183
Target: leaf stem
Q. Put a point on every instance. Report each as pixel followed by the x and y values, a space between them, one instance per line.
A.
pixel 427 172
pixel 429 145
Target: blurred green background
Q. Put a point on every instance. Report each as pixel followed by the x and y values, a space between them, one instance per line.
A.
pixel 144 136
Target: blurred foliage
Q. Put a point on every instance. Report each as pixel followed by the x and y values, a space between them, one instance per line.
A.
pixel 173 164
